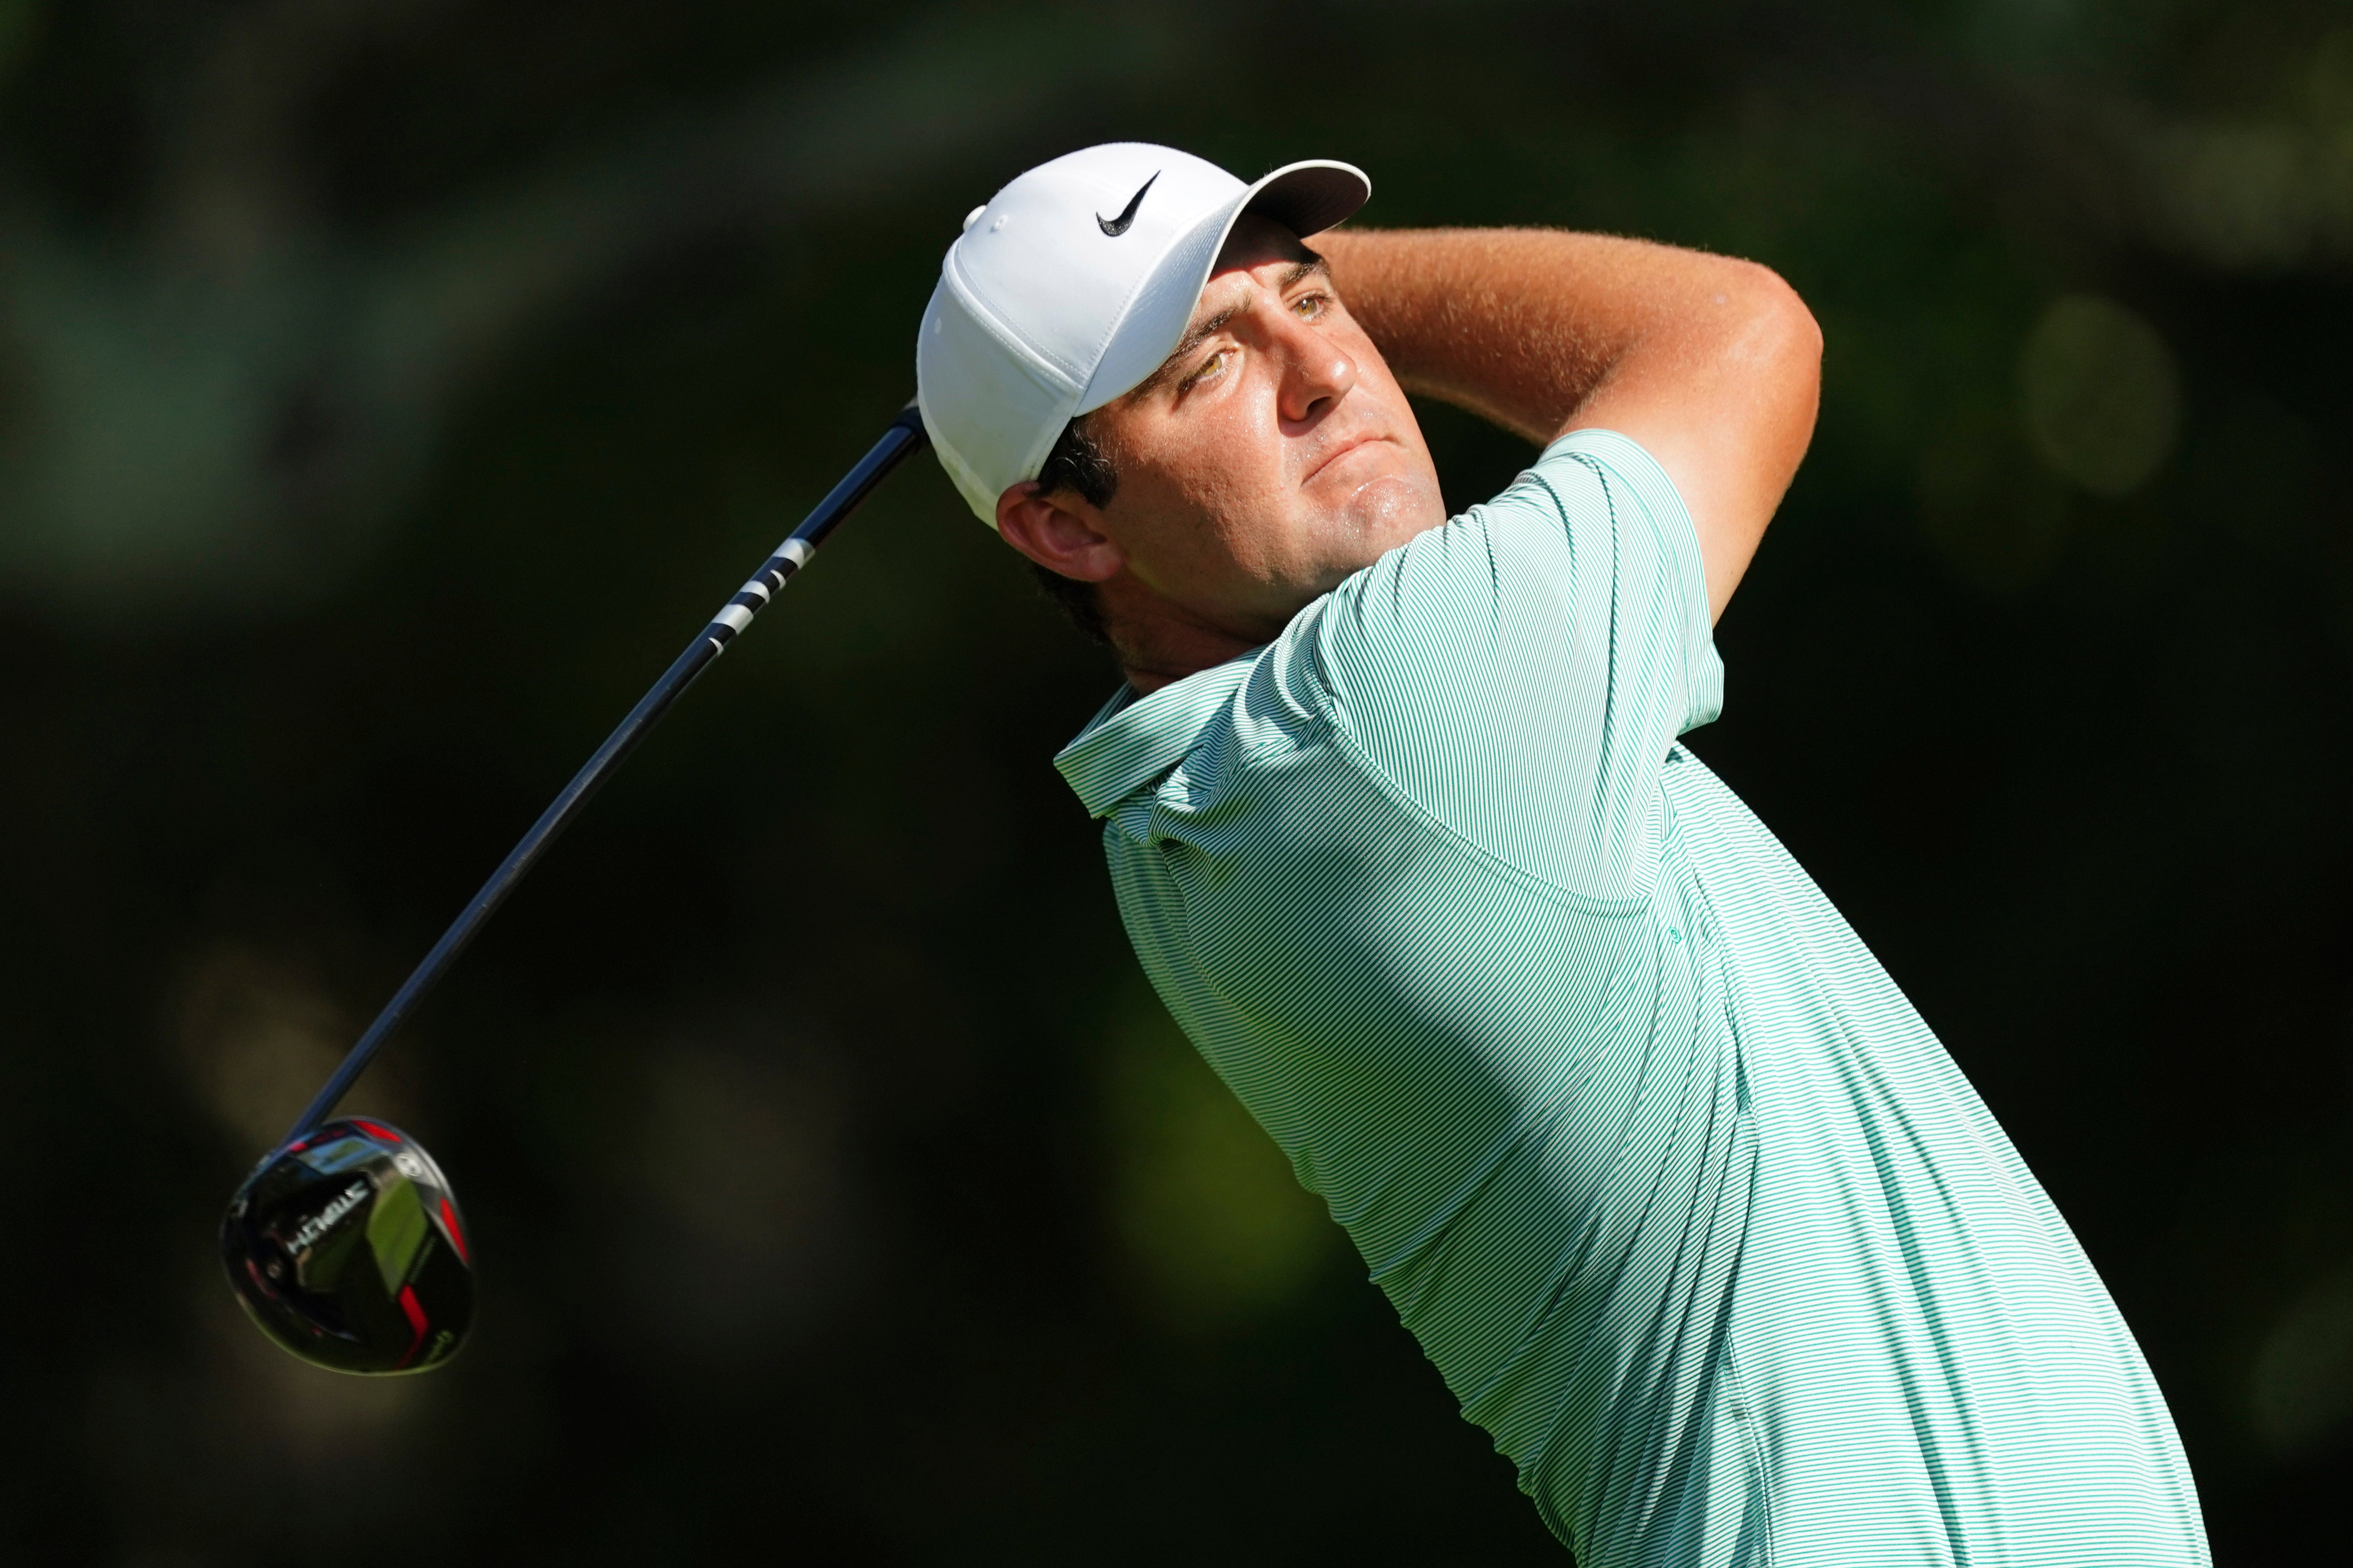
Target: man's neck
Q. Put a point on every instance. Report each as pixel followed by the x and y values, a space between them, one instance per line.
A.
pixel 1159 642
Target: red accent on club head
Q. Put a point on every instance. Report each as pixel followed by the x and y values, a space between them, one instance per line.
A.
pixel 409 1305
pixel 296 1147
pixel 374 1130
pixel 457 1236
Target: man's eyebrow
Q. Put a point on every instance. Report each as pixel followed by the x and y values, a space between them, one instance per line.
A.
pixel 1193 339
pixel 1309 267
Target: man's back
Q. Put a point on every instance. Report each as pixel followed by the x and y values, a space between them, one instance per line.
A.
pixel 1682 1197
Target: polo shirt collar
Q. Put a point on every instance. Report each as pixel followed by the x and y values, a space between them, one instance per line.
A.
pixel 1134 740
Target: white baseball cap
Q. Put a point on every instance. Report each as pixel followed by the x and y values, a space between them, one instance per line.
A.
pixel 1074 284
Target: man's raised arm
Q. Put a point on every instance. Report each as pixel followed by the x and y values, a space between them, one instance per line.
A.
pixel 1713 365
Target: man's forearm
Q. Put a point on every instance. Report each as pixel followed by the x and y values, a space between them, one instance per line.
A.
pixel 1518 325
pixel 1712 363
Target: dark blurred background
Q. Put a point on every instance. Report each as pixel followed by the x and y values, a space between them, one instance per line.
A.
pixel 387 387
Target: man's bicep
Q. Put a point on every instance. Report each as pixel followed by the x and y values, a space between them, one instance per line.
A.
pixel 1728 425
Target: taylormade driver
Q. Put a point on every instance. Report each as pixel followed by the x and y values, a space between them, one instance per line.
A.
pixel 346 1247
pixel 345 1244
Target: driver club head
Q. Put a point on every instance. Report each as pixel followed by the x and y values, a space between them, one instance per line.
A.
pixel 346 1247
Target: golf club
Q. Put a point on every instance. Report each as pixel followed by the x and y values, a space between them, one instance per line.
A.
pixel 345 1244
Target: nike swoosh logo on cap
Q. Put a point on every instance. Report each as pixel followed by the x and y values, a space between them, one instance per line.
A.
pixel 1115 226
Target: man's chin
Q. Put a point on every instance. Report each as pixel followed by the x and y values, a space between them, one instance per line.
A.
pixel 1387 509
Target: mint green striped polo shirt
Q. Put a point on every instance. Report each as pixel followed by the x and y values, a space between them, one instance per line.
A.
pixel 1684 1201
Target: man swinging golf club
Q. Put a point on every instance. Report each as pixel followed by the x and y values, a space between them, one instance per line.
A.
pixel 1684 1201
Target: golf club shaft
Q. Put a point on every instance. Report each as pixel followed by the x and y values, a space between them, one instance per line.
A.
pixel 904 437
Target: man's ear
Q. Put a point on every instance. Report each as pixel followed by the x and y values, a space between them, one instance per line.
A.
pixel 1056 536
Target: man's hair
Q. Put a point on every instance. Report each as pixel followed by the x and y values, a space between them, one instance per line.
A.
pixel 1076 464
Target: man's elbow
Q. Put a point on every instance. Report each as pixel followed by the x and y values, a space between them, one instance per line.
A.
pixel 1777 354
pixel 1776 334
pixel 1801 343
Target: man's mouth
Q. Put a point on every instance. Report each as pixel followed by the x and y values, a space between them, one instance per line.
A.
pixel 1341 450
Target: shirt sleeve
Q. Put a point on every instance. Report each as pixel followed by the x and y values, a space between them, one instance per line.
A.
pixel 1519 674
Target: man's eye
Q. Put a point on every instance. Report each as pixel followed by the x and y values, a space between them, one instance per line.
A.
pixel 1310 306
pixel 1210 368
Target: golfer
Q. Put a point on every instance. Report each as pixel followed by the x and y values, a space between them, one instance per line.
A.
pixel 1684 1201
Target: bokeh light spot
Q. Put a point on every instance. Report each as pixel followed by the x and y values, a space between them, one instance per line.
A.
pixel 2302 1390
pixel 257 1034
pixel 1213 1220
pixel 2099 393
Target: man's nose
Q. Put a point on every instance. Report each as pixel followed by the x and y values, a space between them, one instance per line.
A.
pixel 1316 373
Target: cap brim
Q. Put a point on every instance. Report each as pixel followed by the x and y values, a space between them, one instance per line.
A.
pixel 1306 198
pixel 1310 197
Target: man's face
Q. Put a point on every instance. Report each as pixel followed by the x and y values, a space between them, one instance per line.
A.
pixel 1272 456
